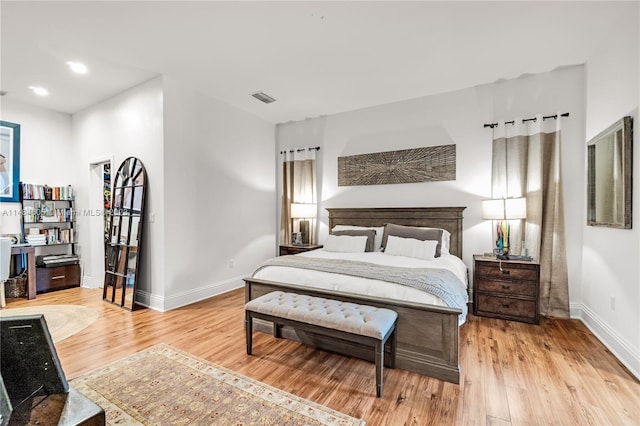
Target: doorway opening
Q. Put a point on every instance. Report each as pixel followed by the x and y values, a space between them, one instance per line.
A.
pixel 99 223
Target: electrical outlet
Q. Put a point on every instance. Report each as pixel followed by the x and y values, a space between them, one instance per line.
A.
pixel 613 303
pixel 231 264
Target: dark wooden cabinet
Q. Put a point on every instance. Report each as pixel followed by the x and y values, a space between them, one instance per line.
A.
pixel 507 289
pixel 57 278
pixel 286 249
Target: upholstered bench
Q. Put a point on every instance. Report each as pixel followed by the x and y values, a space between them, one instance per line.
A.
pixel 366 325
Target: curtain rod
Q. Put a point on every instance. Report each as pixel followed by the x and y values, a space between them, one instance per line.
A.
pixel 317 148
pixel 524 120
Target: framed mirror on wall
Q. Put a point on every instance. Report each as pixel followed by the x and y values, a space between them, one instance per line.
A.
pixel 125 235
pixel 9 162
pixel 610 176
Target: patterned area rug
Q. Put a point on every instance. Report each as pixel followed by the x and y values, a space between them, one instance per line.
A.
pixel 62 320
pixel 165 386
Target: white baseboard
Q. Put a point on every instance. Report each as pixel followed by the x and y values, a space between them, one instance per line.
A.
pixel 188 297
pixel 609 337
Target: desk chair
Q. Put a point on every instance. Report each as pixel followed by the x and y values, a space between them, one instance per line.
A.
pixel 5 264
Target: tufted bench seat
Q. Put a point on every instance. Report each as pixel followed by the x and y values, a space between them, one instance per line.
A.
pixel 366 325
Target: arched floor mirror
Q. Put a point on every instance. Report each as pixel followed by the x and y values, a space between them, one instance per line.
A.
pixel 123 249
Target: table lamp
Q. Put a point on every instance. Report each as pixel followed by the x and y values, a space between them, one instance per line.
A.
pixel 304 211
pixel 504 209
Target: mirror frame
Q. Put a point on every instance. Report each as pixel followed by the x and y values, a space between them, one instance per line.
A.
pixel 127 205
pixel 10 149
pixel 625 125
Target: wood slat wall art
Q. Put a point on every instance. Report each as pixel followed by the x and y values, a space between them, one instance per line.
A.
pixel 427 164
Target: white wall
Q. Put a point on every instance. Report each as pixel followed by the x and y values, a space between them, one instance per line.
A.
pixel 458 118
pixel 46 153
pixel 220 202
pixel 610 268
pixel 129 124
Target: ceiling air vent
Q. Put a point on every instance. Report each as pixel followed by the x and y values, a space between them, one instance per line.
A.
pixel 263 97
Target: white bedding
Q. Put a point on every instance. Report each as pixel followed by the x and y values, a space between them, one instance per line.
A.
pixel 367 286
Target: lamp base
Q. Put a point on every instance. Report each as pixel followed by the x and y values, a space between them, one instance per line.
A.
pixel 304 230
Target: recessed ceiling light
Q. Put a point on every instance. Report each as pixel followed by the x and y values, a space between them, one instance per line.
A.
pixel 77 67
pixel 38 90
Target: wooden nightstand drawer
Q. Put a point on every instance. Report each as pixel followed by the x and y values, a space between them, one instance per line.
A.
pixel 506 306
pixel 507 289
pixel 520 288
pixel 510 271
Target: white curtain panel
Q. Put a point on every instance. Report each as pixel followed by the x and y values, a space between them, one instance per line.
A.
pixel 526 163
pixel 298 186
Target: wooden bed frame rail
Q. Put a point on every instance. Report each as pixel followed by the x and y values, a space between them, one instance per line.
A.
pixel 427 335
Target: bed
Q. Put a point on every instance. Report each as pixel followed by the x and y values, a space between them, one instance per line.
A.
pixel 427 331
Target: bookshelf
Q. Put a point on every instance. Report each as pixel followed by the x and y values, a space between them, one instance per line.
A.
pixel 47 221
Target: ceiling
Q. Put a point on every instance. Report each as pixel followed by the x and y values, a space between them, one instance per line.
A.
pixel 315 58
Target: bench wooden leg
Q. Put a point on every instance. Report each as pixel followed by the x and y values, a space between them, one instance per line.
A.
pixel 248 326
pixel 379 367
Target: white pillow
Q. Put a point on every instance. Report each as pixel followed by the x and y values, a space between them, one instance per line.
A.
pixel 379 233
pixel 446 240
pixel 410 247
pixel 346 243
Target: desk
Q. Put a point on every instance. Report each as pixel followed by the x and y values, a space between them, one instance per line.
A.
pixel 30 251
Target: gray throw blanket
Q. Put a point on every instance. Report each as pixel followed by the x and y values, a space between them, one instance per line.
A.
pixel 439 282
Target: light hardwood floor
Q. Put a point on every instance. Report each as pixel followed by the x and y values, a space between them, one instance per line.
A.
pixel 512 373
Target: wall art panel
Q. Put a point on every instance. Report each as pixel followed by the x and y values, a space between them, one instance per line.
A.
pixel 428 164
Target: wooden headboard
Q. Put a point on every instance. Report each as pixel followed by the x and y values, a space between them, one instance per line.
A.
pixel 449 218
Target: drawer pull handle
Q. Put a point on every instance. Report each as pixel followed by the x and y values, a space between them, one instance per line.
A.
pixel 505 305
pixel 505 287
pixel 505 271
pixel 58 277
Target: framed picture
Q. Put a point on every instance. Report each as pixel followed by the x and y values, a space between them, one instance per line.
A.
pixel 9 162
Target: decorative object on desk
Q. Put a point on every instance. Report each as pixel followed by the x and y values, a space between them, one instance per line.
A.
pixel 123 252
pixel 610 176
pixel 15 239
pixel 9 162
pixel 63 321
pixel 503 210
pixel 427 164
pixel 304 212
pixel 163 385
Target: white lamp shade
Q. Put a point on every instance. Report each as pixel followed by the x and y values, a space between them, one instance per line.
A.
pixel 303 211
pixel 493 209
pixel 504 208
pixel 515 208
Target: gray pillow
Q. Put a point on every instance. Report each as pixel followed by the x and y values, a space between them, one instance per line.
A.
pixel 369 233
pixel 413 232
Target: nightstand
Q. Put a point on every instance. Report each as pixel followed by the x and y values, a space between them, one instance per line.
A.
pixel 507 289
pixel 291 249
